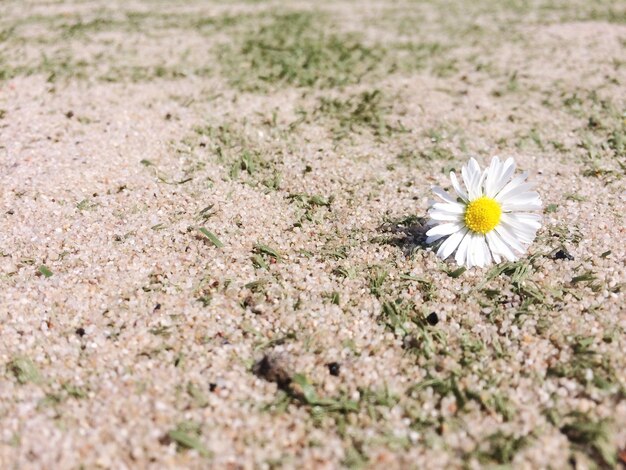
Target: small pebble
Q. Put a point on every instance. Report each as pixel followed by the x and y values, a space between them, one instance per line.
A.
pixel 432 319
pixel 333 368
pixel 562 254
pixel 274 367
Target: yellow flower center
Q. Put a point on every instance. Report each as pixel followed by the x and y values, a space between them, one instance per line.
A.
pixel 482 215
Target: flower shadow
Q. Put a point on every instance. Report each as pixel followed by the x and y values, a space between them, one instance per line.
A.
pixel 407 233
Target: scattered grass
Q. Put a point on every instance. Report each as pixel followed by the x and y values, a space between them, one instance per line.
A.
pixel 306 392
pixel 367 110
pixel 436 151
pixel 302 392
pixel 24 370
pixel 237 151
pixel 335 253
pixel 575 197
pixel 520 274
pixel 411 56
pixel 395 315
pixel 586 277
pixel 375 399
pixel 457 272
pixel 346 272
pixel 425 342
pixel 85 205
pixel 264 255
pixel 377 278
pixel 45 271
pixel 268 251
pixel 334 297
pixel 501 448
pixel 187 436
pixel 310 203
pixel 62 67
pixel 442 387
pixel 211 236
pixel 588 367
pixel 563 234
pixel 592 437
pixel 551 208
pixel 297 49
pixel 197 396
pixel 75 391
pixel 247 161
pixel 511 85
pixel 311 200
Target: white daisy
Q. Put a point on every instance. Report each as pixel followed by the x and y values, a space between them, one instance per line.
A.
pixel 488 219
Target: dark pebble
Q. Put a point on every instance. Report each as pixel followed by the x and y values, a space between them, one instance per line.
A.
pixel 274 368
pixel 333 368
pixel 80 332
pixel 562 254
pixel 432 319
pixel 410 342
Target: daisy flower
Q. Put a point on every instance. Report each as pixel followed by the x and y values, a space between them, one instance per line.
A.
pixel 488 218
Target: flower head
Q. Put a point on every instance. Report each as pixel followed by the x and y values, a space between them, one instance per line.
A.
pixel 489 218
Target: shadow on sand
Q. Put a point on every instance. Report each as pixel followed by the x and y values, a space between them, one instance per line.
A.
pixel 407 233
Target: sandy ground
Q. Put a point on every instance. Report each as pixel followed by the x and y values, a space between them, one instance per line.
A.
pixel 304 139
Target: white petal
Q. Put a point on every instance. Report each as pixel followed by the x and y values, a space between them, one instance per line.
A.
pixel 521 197
pixel 529 216
pixel 444 229
pixel 444 216
pixel 531 206
pixel 472 178
pixel 498 247
pixel 523 238
pixel 491 172
pixel 515 186
pixel 451 243
pixel 471 252
pixel 483 256
pixel 530 220
pixel 505 172
pixel 486 251
pixel 457 187
pixel 443 194
pixel 433 239
pixel 525 202
pixel 455 208
pixel 524 232
pixel 510 239
pixel 461 251
pixel 517 225
pixel 477 252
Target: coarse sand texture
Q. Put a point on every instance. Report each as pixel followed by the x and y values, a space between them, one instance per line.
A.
pixel 213 235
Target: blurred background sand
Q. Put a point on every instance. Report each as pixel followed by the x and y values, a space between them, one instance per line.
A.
pixel 211 235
